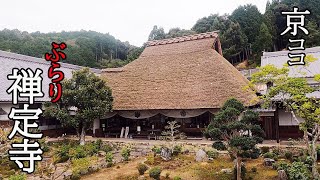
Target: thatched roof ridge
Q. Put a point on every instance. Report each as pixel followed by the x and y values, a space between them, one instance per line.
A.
pixel 183 75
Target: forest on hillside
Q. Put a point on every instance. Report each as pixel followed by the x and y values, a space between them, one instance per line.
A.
pixel 244 34
pixel 85 48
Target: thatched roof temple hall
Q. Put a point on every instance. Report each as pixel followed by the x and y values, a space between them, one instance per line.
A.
pixel 184 79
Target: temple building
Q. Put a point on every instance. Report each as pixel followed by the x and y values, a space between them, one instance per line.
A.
pixel 184 79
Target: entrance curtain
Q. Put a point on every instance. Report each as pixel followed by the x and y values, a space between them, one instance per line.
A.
pixel 138 114
pixel 183 113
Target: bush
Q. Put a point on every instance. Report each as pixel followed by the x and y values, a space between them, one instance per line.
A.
pixel 98 143
pixel 177 178
pixel 155 173
pixel 177 150
pixel 283 166
pixel 82 166
pixel 109 157
pixel 62 153
pixel 18 177
pixel 150 160
pixel 265 149
pixel 106 148
pixel 288 155
pixel 90 149
pixel 212 154
pixel 219 145
pixel 298 170
pixel 142 168
pixel 270 155
pixel 255 153
pixel 77 152
pixel 156 150
pixel 125 153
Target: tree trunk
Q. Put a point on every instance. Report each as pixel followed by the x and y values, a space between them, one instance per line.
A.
pixel 306 140
pixel 315 172
pixel 82 136
pixel 238 168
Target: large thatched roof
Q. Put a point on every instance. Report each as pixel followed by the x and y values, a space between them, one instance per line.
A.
pixel 179 73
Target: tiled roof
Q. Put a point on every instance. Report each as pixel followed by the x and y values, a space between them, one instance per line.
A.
pixel 8 61
pixel 183 38
pixel 280 58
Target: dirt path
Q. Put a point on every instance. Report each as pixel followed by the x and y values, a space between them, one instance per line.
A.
pixel 126 169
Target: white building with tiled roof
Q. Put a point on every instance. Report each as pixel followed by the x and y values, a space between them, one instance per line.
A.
pixel 8 61
pixel 281 124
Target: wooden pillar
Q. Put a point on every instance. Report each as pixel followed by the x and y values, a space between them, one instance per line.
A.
pixel 276 116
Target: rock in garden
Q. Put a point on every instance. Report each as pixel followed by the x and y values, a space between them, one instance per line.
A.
pixel 165 154
pixel 101 153
pixel 226 171
pixel 201 156
pixel 282 175
pixel 59 171
pixel 268 161
pixel 67 174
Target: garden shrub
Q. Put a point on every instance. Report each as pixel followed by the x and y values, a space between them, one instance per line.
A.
pixel 177 178
pixel 44 145
pixel 308 161
pixel 253 154
pixel 18 177
pixel 150 159
pixel 264 149
pixel 90 149
pixel 156 150
pixel 212 154
pixel 298 171
pixel 219 145
pixel 106 148
pixel 177 150
pixel 77 152
pixel 155 173
pixel 125 153
pixel 270 155
pixel 81 165
pixel 288 155
pixel 62 153
pixel 109 159
pixel 98 143
pixel 142 168
pixel 283 166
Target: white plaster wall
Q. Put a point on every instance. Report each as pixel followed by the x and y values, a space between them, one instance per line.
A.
pixel 286 119
pixel 96 125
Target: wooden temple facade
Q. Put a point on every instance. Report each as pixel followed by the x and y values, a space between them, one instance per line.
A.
pixel 184 79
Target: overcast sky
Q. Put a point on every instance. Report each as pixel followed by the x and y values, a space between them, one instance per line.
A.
pixel 127 20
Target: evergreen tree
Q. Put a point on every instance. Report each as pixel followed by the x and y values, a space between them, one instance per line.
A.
pixel 88 94
pixel 263 40
pixel 238 128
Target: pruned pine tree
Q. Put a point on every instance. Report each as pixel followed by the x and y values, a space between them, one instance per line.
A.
pixel 171 133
